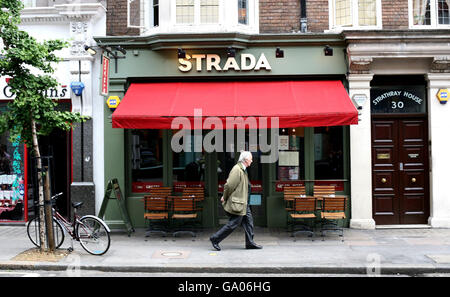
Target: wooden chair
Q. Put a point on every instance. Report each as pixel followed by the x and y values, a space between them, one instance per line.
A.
pixel 156 210
pixel 184 210
pixel 322 191
pixel 303 209
pixel 289 194
pixel 197 193
pixel 333 210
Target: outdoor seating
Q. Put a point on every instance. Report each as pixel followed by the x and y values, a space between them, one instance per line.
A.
pixel 289 194
pixel 333 210
pixel 303 210
pixel 184 212
pixel 156 210
pixel 322 191
pixel 197 193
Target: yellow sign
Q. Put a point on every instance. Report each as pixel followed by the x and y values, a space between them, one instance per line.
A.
pixel 113 102
pixel 442 96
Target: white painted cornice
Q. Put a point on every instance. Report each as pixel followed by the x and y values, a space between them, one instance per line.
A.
pixel 63 13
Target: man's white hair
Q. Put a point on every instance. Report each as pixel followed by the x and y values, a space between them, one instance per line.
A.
pixel 245 155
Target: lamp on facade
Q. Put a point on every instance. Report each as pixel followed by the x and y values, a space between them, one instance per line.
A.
pixel 279 53
pixel 231 52
pixel 181 53
pixel 90 50
pixel 328 51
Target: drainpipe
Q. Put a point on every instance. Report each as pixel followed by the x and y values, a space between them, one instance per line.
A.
pixel 303 19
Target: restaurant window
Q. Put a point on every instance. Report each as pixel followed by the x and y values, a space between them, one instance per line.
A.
pixel 291 156
pixel 147 156
pixel 430 13
pixel 189 165
pixel 328 153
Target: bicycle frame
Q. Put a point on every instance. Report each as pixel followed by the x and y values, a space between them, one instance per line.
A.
pixel 69 227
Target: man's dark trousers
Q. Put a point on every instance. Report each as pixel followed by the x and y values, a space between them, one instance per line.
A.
pixel 234 222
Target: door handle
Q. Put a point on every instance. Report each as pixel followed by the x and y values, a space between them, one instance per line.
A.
pixel 401 166
pixel 383 180
pixel 413 180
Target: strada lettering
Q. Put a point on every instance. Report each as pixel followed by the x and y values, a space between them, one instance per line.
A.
pixel 247 62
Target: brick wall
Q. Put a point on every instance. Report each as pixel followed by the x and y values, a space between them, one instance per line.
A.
pixel 283 16
pixel 317 14
pixel 394 14
pixel 279 16
pixel 116 19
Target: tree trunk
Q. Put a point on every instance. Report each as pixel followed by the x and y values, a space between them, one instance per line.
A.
pixel 48 212
pixel 37 155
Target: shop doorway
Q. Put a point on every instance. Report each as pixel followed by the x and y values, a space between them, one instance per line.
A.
pixel 57 146
pixel 400 175
pixel 226 160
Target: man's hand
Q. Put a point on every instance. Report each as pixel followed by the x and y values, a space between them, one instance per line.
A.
pixel 221 199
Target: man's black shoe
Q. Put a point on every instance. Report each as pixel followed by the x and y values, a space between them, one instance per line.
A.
pixel 215 244
pixel 253 246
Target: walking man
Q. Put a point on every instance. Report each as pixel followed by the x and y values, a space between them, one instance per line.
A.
pixel 235 203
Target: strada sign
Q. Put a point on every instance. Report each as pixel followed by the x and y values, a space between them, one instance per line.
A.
pixel 247 62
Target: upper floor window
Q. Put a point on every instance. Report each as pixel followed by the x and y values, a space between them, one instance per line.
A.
pixel 197 11
pixel 429 13
pixel 355 14
pixel 199 16
pixel 155 13
pixel 243 12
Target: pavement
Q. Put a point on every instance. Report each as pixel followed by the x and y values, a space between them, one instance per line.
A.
pixel 363 252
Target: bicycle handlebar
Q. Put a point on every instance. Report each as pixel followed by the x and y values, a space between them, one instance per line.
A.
pixel 56 196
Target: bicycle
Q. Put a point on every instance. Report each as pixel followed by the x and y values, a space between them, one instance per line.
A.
pixel 89 230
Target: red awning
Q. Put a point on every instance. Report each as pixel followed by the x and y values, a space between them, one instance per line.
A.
pixel 294 103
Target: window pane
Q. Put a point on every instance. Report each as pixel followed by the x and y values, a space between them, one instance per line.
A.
pixel 185 11
pixel 291 158
pixel 367 13
pixel 328 153
pixel 188 165
pixel 421 12
pixel 343 13
pixel 443 12
pixel 243 12
pixel 147 155
pixel 209 11
pixel 155 13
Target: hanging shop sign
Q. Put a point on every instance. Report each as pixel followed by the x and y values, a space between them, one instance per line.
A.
pixel 442 96
pixel 246 62
pixel 105 76
pixel 407 99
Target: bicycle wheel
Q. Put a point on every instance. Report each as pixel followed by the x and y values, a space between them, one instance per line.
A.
pixel 93 235
pixel 33 232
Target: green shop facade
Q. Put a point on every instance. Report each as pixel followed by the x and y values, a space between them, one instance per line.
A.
pixel 143 158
